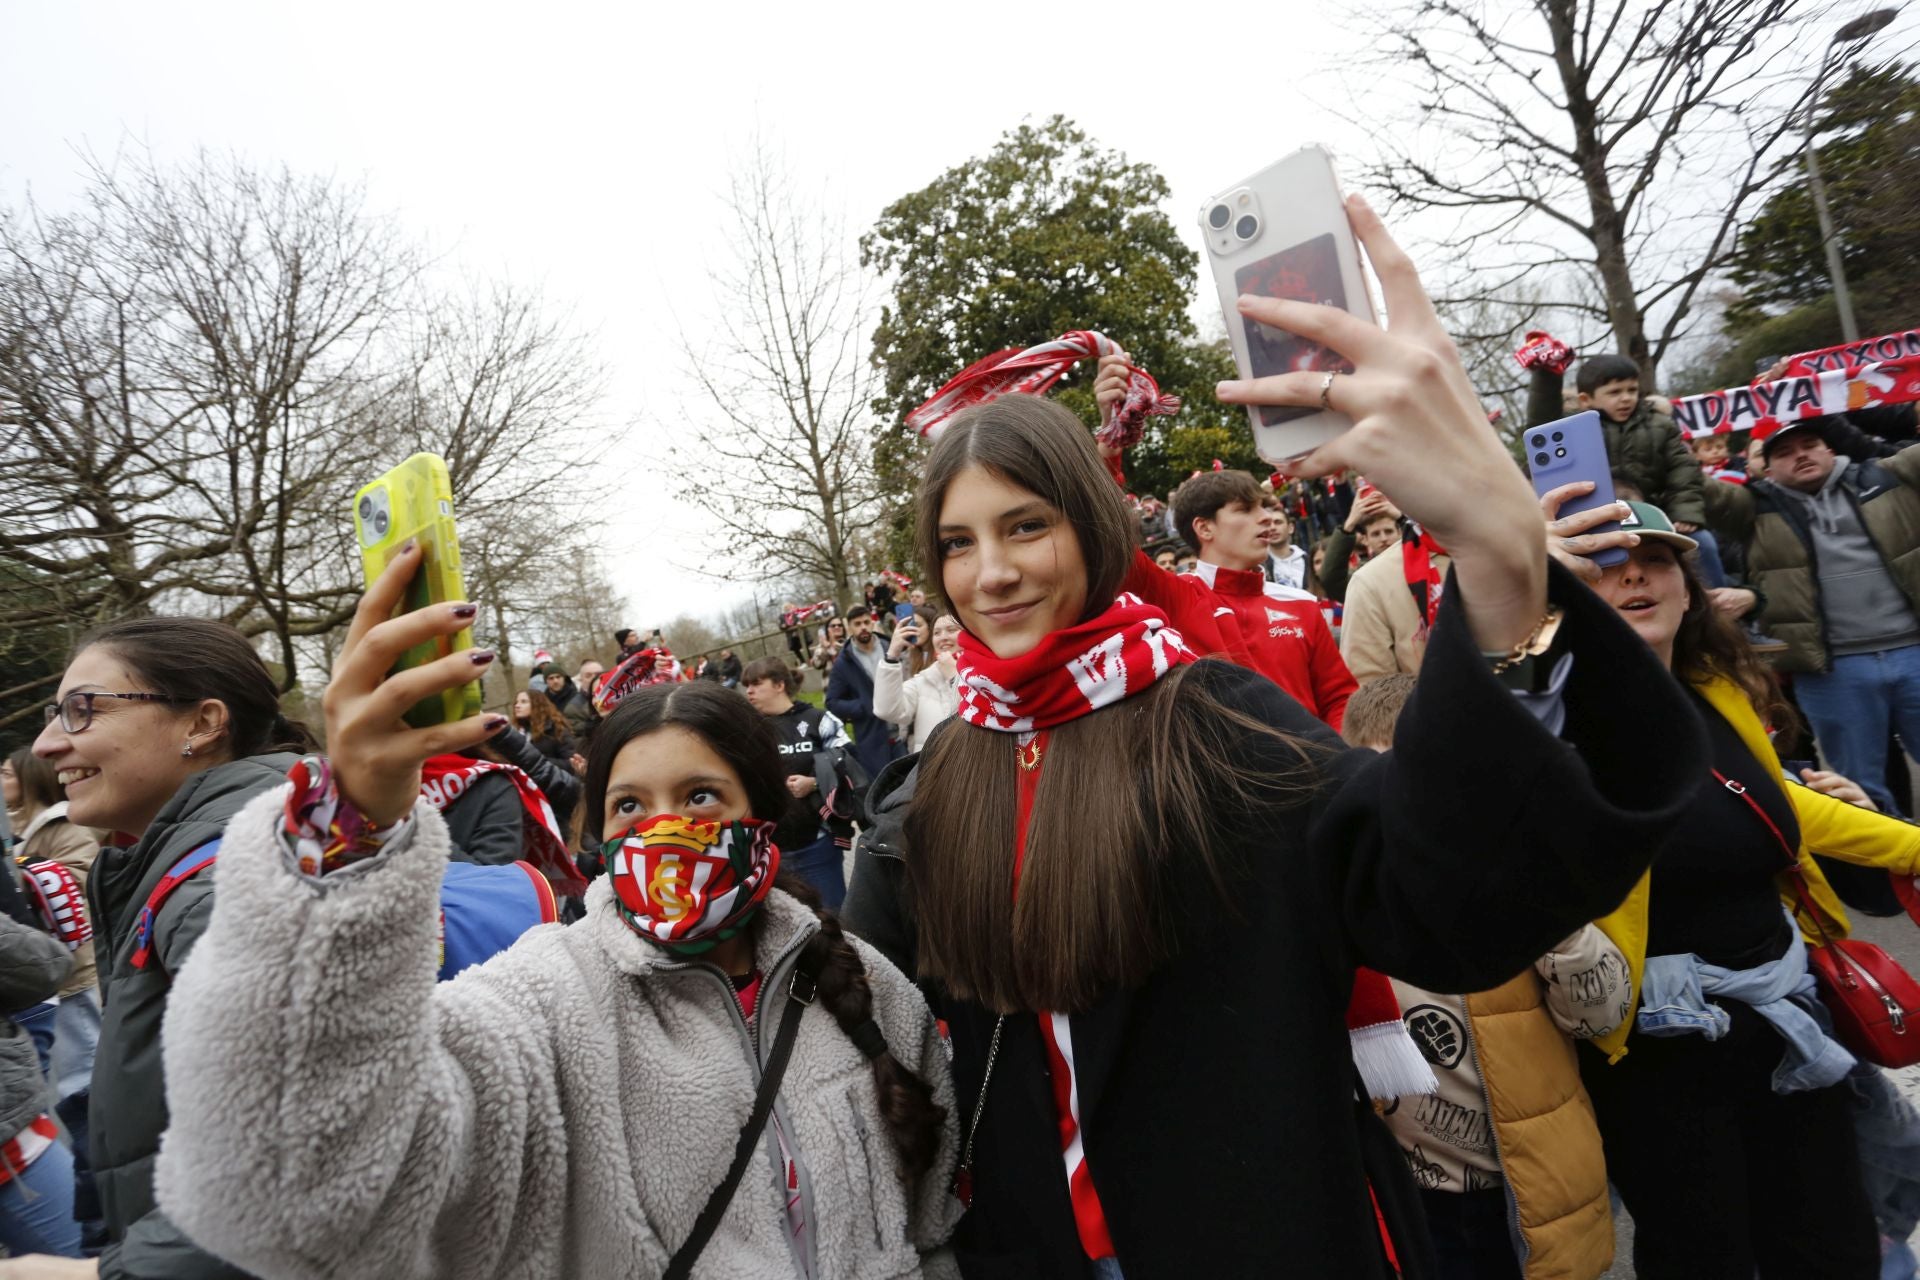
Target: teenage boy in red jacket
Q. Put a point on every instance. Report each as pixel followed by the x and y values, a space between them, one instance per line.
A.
pixel 1275 630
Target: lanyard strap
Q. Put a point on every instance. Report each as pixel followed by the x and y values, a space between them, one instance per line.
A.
pixel 1793 855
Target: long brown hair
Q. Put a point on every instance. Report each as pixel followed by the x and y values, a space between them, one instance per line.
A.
pixel 1128 795
pixel 727 722
pixel 1709 644
pixel 544 719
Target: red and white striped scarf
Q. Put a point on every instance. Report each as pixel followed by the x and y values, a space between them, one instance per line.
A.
pixel 1074 670
pixel 1032 372
pixel 444 779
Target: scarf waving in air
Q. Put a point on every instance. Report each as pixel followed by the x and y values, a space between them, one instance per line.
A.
pixel 1032 372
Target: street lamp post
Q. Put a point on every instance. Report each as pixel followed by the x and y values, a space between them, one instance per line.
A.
pixel 1853 32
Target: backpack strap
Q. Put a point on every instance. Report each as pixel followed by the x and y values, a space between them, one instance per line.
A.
pixel 182 871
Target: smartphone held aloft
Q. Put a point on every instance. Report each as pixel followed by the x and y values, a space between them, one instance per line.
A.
pixel 1283 233
pixel 415 501
pixel 1567 452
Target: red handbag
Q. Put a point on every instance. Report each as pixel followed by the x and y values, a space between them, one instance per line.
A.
pixel 1874 1002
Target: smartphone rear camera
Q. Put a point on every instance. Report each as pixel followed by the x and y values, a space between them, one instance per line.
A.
pixel 366 508
pixel 1540 459
pixel 1539 442
pixel 1558 436
pixel 1219 216
pixel 1247 228
pixel 1560 452
pixel 380 523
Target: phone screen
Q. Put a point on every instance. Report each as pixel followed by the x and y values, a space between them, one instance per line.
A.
pixel 1307 272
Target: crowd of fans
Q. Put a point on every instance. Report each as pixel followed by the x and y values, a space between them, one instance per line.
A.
pixel 1272 878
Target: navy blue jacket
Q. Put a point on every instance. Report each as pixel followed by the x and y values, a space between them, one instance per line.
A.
pixel 850 696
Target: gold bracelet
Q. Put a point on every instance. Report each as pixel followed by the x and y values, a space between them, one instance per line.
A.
pixel 1527 648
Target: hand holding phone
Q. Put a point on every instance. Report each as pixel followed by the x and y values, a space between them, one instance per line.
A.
pixel 375 759
pixel 413 504
pixel 1571 451
pixel 1284 233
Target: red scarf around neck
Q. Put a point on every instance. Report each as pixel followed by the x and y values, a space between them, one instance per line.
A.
pixel 1074 670
pixel 444 779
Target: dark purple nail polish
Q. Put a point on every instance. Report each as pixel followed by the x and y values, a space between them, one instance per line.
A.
pixel 408 545
pixel 465 610
pixel 481 657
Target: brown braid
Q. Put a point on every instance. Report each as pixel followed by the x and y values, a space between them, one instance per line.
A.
pixel 906 1101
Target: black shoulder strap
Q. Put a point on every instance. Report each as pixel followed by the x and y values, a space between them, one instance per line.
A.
pixel 800 992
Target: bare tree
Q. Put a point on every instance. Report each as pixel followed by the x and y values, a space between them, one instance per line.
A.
pixel 1603 153
pixel 199 367
pixel 782 455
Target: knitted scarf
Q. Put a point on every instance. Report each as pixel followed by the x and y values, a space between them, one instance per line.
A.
pixel 636 671
pixel 1032 372
pixel 1074 670
pixel 1417 550
pixel 444 779
pixel 687 885
pixel 1099 662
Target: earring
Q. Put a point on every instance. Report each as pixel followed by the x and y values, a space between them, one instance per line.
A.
pixel 186 749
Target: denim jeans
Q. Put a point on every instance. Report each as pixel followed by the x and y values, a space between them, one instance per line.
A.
pixel 38 1022
pixel 823 865
pixel 1107 1269
pixel 36 1207
pixel 1707 558
pixel 1852 707
pixel 76 1034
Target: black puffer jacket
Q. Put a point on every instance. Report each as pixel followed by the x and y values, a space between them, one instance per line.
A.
pixel 128 1112
pixel 32 967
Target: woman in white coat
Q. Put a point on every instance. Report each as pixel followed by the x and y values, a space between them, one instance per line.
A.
pixel 919 701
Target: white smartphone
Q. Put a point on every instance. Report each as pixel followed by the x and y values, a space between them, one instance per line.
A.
pixel 1283 233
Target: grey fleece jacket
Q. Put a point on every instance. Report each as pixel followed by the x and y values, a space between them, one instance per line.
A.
pixel 562 1110
pixel 1865 609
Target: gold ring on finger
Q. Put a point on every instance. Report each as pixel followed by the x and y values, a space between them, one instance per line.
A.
pixel 1326 390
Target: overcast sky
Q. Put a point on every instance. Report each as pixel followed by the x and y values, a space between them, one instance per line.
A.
pixel 582 147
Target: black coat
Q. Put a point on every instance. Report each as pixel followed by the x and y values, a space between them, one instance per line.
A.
pixel 1217 1099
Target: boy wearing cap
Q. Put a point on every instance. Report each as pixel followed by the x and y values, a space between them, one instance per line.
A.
pixel 1833 554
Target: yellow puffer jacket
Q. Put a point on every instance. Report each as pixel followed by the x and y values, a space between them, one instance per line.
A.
pixel 1543 1121
pixel 1832 827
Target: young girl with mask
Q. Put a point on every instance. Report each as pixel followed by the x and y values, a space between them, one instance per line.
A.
pixel 1145 881
pixel 571 1106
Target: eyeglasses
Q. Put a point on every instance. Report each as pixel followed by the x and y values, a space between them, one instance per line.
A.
pixel 75 711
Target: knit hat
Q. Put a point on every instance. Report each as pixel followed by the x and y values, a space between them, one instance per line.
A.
pixel 1651 523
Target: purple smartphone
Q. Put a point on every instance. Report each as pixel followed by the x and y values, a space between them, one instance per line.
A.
pixel 1568 451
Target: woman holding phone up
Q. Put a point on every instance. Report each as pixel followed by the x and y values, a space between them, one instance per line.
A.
pixel 1143 881
pixel 1744 1128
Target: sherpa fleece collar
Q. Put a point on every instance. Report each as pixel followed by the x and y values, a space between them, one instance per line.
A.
pixel 782 923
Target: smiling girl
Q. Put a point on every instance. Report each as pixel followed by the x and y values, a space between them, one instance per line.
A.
pixel 1145 880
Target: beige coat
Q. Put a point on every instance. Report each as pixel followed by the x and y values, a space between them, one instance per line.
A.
pixel 51 838
pixel 562 1110
pixel 1381 632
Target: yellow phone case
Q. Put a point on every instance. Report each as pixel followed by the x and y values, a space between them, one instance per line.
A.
pixel 415 500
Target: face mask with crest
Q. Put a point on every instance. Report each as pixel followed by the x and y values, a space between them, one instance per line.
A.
pixel 687 885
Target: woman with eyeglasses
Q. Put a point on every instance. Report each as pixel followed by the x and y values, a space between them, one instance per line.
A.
pixel 162 730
